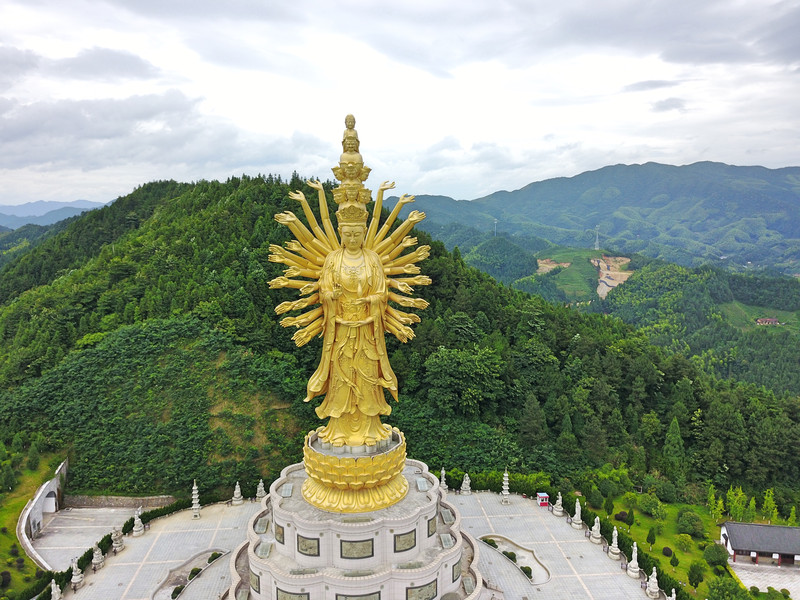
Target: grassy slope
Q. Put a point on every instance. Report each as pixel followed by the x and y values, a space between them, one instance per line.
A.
pixel 744 317
pixel 11 506
pixel 574 280
pixel 642 526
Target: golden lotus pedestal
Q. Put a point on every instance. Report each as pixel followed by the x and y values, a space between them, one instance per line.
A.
pixel 354 480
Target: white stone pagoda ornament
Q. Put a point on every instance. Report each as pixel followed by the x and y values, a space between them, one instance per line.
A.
pixel 195 501
pixel 505 494
pixel 237 495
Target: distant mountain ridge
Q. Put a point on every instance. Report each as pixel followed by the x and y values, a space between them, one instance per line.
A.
pixel 706 212
pixel 42 212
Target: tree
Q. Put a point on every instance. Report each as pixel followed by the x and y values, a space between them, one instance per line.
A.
pixel 726 588
pixel 690 522
pixel 33 457
pixel 674 453
pixel 608 506
pixel 792 520
pixel 674 561
pixel 696 571
pixel 711 500
pixel 769 509
pixel 750 512
pixel 683 542
pixel 7 479
pixel 716 555
pixel 651 537
pixel 630 519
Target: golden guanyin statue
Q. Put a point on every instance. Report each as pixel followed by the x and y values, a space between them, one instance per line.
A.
pixel 354 277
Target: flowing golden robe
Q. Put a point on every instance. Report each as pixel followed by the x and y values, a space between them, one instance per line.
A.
pixel 354 369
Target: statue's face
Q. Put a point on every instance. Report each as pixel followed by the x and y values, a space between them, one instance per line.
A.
pixel 352 236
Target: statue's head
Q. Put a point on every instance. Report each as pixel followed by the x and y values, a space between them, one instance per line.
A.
pixel 352 236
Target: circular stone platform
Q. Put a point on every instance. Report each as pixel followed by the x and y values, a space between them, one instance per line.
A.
pixel 411 549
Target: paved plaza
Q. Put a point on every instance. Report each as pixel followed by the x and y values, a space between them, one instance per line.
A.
pixel 137 572
pixel 764 576
pixel 578 569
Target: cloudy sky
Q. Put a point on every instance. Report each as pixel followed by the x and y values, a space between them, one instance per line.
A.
pixel 460 98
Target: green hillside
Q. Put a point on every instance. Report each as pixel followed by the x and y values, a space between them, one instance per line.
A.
pixel 711 314
pixel 142 341
pixel 733 217
pixel 744 317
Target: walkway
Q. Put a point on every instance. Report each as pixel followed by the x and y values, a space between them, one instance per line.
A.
pixel 135 574
pixel 764 576
pixel 579 569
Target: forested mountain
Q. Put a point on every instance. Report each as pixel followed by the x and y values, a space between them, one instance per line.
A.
pixel 690 311
pixel 691 215
pixel 42 212
pixel 142 340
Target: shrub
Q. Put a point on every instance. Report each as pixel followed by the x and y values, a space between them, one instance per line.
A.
pixel 607 487
pixel 194 572
pixel 595 498
pixel 683 542
pixel 650 505
pixel 666 491
pixel 785 592
pixel 214 556
pixel 511 555
pixel 490 542
pixel 691 523
pixel 715 555
pixel 527 570
pixel 667 551
pixel 621 516
pixel 5 579
pixel 13 551
pixel 754 590
pixel 177 590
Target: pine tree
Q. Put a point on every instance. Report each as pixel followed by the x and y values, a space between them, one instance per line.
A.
pixel 651 537
pixel 674 453
pixel 792 520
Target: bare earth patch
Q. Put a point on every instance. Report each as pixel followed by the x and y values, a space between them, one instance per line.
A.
pixel 610 273
pixel 548 264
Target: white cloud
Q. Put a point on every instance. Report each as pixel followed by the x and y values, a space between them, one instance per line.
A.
pixel 456 98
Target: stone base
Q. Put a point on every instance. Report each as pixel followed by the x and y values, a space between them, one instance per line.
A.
pixel 558 511
pixel 596 539
pixel 653 594
pixel 137 532
pixel 633 572
pixel 413 548
pixel 577 524
pixel 614 553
